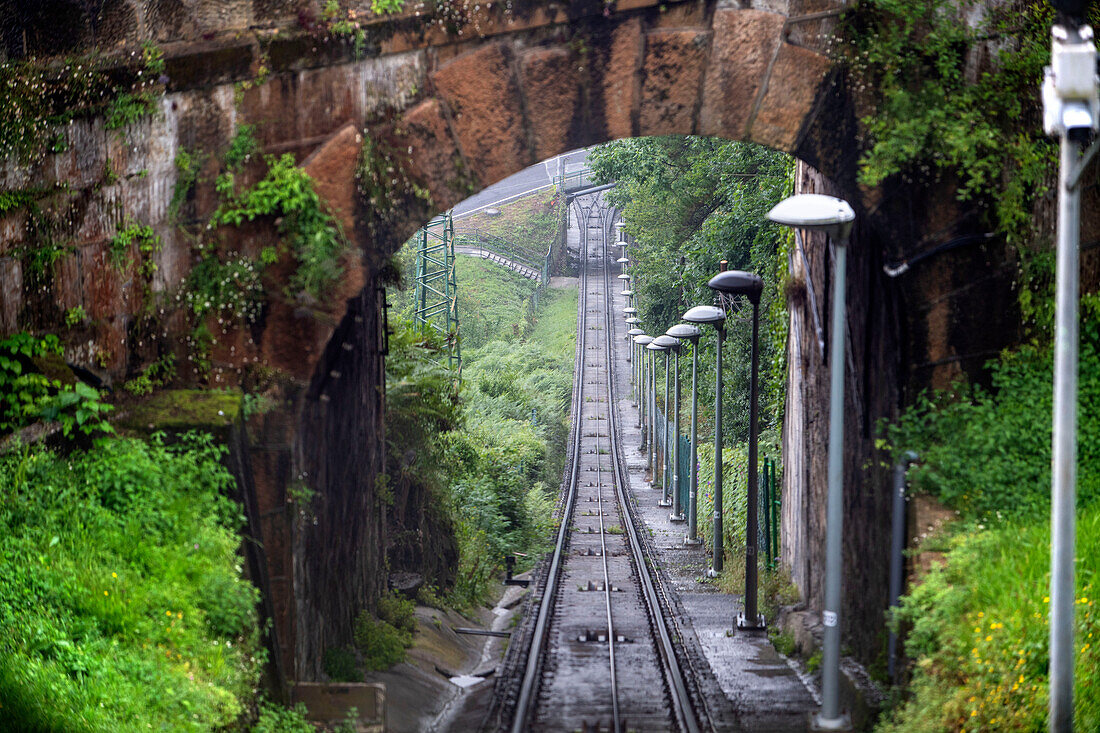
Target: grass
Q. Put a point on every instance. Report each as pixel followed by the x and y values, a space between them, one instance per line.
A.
pixel 529 222
pixel 121 596
pixel 980 629
pixel 492 301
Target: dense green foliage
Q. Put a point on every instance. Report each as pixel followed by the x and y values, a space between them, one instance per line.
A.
pixel 940 112
pixel 980 627
pixel 980 624
pixel 986 452
pixel 690 202
pixel 121 601
pixel 28 395
pixel 491 448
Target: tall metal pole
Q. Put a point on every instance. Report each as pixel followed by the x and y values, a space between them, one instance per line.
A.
pixel 716 562
pixel 677 510
pixel 652 416
pixel 834 518
pixel 1064 448
pixel 666 499
pixel 751 619
pixel 1071 108
pixel 693 490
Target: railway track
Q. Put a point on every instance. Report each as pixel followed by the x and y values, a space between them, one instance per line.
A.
pixel 601 655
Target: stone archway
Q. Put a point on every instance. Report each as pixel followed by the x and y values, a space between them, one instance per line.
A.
pixel 445 113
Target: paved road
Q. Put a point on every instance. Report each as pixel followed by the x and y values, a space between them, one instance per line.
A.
pixel 530 179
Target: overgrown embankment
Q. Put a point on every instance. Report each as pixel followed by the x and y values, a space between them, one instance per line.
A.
pixel 491 447
pixel 122 602
pixel 978 625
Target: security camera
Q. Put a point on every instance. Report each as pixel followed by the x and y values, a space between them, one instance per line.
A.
pixel 1071 89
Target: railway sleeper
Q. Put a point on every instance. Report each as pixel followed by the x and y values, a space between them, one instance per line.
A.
pixel 600 637
pixel 593 585
pixel 599 727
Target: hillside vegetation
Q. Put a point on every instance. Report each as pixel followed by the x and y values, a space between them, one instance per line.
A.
pixel 122 602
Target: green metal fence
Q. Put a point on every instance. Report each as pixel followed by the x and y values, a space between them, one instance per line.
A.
pixel 768 493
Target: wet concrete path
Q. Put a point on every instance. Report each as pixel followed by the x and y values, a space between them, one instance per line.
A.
pixel 748 686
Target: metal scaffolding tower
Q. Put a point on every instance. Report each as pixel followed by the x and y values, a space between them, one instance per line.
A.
pixel 436 287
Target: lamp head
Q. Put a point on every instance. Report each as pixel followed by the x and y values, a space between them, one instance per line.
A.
pixel 685 331
pixel 706 314
pixel 654 347
pixel 815 211
pixel 738 282
pixel 643 339
pixel 624 276
pixel 623 260
pixel 633 320
pixel 668 342
pixel 627 293
pixel 631 311
pixel 634 332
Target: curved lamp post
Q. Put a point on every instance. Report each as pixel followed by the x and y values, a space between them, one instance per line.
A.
pixel 691 333
pixel 716 317
pixel 834 217
pixel 653 348
pixel 739 282
pixel 672 346
pixel 643 342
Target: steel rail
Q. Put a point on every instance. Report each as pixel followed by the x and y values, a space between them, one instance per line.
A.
pixel 531 676
pixel 615 713
pixel 682 710
pixel 674 676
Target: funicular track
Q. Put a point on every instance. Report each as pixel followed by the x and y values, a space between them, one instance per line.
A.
pixel 601 655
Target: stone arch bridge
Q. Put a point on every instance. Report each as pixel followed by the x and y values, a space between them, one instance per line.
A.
pixel 436 101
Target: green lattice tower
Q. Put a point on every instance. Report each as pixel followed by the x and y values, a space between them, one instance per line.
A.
pixel 436 286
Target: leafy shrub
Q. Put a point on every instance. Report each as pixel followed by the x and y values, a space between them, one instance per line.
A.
pixel 398 611
pixel 340 665
pixel 986 452
pixel 380 642
pixel 27 395
pixel 275 718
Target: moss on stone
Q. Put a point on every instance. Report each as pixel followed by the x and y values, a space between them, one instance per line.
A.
pixel 179 410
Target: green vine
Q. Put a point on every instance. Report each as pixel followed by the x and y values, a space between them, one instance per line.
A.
pixel 38 98
pixel 940 113
pixel 315 238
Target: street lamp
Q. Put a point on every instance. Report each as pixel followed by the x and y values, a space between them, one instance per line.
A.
pixel 672 346
pixel 739 282
pixel 643 342
pixel 834 217
pixel 689 332
pixel 653 348
pixel 716 317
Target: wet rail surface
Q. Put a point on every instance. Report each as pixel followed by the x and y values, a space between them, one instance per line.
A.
pixel 601 654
